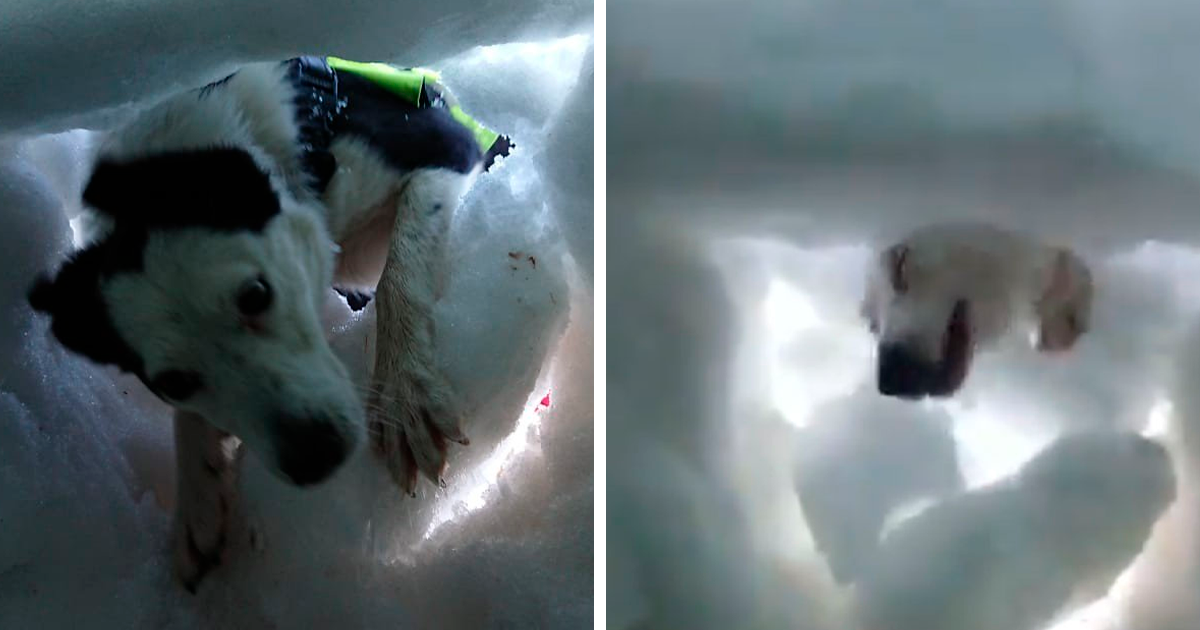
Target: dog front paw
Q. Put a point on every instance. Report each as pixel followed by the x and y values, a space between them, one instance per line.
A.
pixel 412 417
pixel 203 522
pixel 196 553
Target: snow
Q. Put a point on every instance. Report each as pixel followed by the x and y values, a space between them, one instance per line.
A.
pixel 86 457
pixel 182 44
pixel 747 184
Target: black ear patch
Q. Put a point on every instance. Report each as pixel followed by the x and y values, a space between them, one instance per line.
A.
pixel 220 188
pixel 79 316
pixel 43 297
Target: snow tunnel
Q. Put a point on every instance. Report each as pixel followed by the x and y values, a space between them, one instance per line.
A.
pixel 741 231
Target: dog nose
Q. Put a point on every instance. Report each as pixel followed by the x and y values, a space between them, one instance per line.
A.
pixel 903 373
pixel 310 450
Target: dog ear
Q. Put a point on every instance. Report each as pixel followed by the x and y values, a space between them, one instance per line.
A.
pixel 43 295
pixel 79 318
pixel 1064 307
pixel 103 190
pixel 895 261
pixel 892 268
pixel 220 187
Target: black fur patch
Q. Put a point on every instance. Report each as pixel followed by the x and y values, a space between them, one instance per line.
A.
pixel 219 188
pixel 78 313
pixel 406 136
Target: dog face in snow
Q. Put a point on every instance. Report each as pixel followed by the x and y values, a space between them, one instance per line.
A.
pixel 937 296
pixel 207 286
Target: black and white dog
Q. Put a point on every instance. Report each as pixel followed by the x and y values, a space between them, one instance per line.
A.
pixel 223 217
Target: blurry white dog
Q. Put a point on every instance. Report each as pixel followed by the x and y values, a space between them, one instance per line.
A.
pixel 224 216
pixel 1011 556
pixel 945 290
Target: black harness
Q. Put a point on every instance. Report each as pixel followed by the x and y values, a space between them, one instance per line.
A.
pixel 429 136
pixel 320 110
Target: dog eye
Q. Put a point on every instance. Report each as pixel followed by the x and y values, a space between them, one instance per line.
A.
pixel 177 385
pixel 254 297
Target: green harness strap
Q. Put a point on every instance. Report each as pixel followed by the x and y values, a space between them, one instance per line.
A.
pixel 408 83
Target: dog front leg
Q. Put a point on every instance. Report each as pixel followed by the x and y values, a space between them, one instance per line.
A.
pixel 206 461
pixel 412 411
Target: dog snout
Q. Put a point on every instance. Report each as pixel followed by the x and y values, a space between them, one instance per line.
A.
pixel 310 450
pixel 902 372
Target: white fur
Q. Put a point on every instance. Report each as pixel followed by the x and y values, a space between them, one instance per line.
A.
pixel 206 479
pixel 175 314
pixel 387 228
pixel 422 411
pixel 251 111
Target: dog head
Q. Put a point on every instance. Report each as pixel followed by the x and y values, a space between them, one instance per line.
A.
pixel 934 298
pixel 207 286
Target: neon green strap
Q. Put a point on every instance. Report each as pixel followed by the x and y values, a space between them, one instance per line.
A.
pixel 484 136
pixel 407 84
